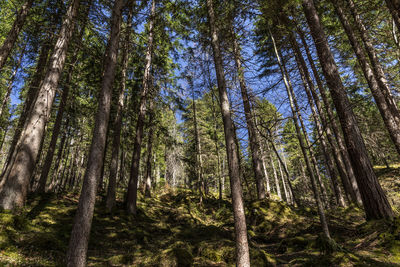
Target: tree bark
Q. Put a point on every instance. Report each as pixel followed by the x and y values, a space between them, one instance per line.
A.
pixel 137 147
pixel 289 91
pixel 374 199
pixel 12 35
pixel 148 177
pixel 242 248
pixel 112 182
pixel 325 150
pixel 253 137
pixel 78 244
pixel 63 103
pixel 375 77
pixel 342 157
pixel 14 190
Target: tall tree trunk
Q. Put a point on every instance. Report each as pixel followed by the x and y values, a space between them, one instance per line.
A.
pixel 199 158
pixel 220 175
pixel 253 137
pixel 29 100
pixel 374 199
pixel 242 248
pixel 325 149
pixel 342 157
pixel 63 103
pixel 137 147
pixel 12 35
pixel 148 174
pixel 376 79
pixel 112 182
pixel 14 190
pixel 277 186
pixel 287 197
pixel 61 148
pixel 78 243
pixel 289 91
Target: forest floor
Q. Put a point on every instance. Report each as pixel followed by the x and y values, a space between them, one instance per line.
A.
pixel 172 229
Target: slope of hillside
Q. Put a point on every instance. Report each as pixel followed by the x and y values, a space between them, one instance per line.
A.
pixel 172 229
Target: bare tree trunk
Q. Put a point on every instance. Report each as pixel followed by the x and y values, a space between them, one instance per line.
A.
pixel 220 175
pixel 14 190
pixel 61 149
pixel 242 248
pixel 376 79
pixel 266 174
pixel 112 182
pixel 307 82
pixel 78 243
pixel 12 35
pixel 283 183
pixel 137 147
pixel 341 157
pixel 317 197
pixel 148 174
pixel 30 98
pixel 63 103
pixel 253 137
pixel 199 159
pixel 374 199
pixel 277 186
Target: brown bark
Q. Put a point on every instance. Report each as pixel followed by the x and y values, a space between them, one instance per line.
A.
pixel 253 137
pixel 341 157
pixel 14 190
pixel 12 35
pixel 29 100
pixel 375 77
pixel 148 175
pixel 374 199
pixel 78 244
pixel 325 149
pixel 137 147
pixel 112 182
pixel 63 103
pixel 242 248
pixel 289 91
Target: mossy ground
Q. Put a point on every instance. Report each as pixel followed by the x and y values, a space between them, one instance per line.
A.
pixel 173 229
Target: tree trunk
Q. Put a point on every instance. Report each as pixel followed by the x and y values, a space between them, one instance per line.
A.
pixel 342 158
pixel 63 103
pixel 376 79
pixel 242 248
pixel 12 35
pixel 148 175
pixel 277 186
pixel 61 148
pixel 30 98
pixel 289 91
pixel 137 147
pixel 284 183
pixel 112 182
pixel 325 150
pixel 374 199
pixel 78 244
pixel 14 190
pixel 253 137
